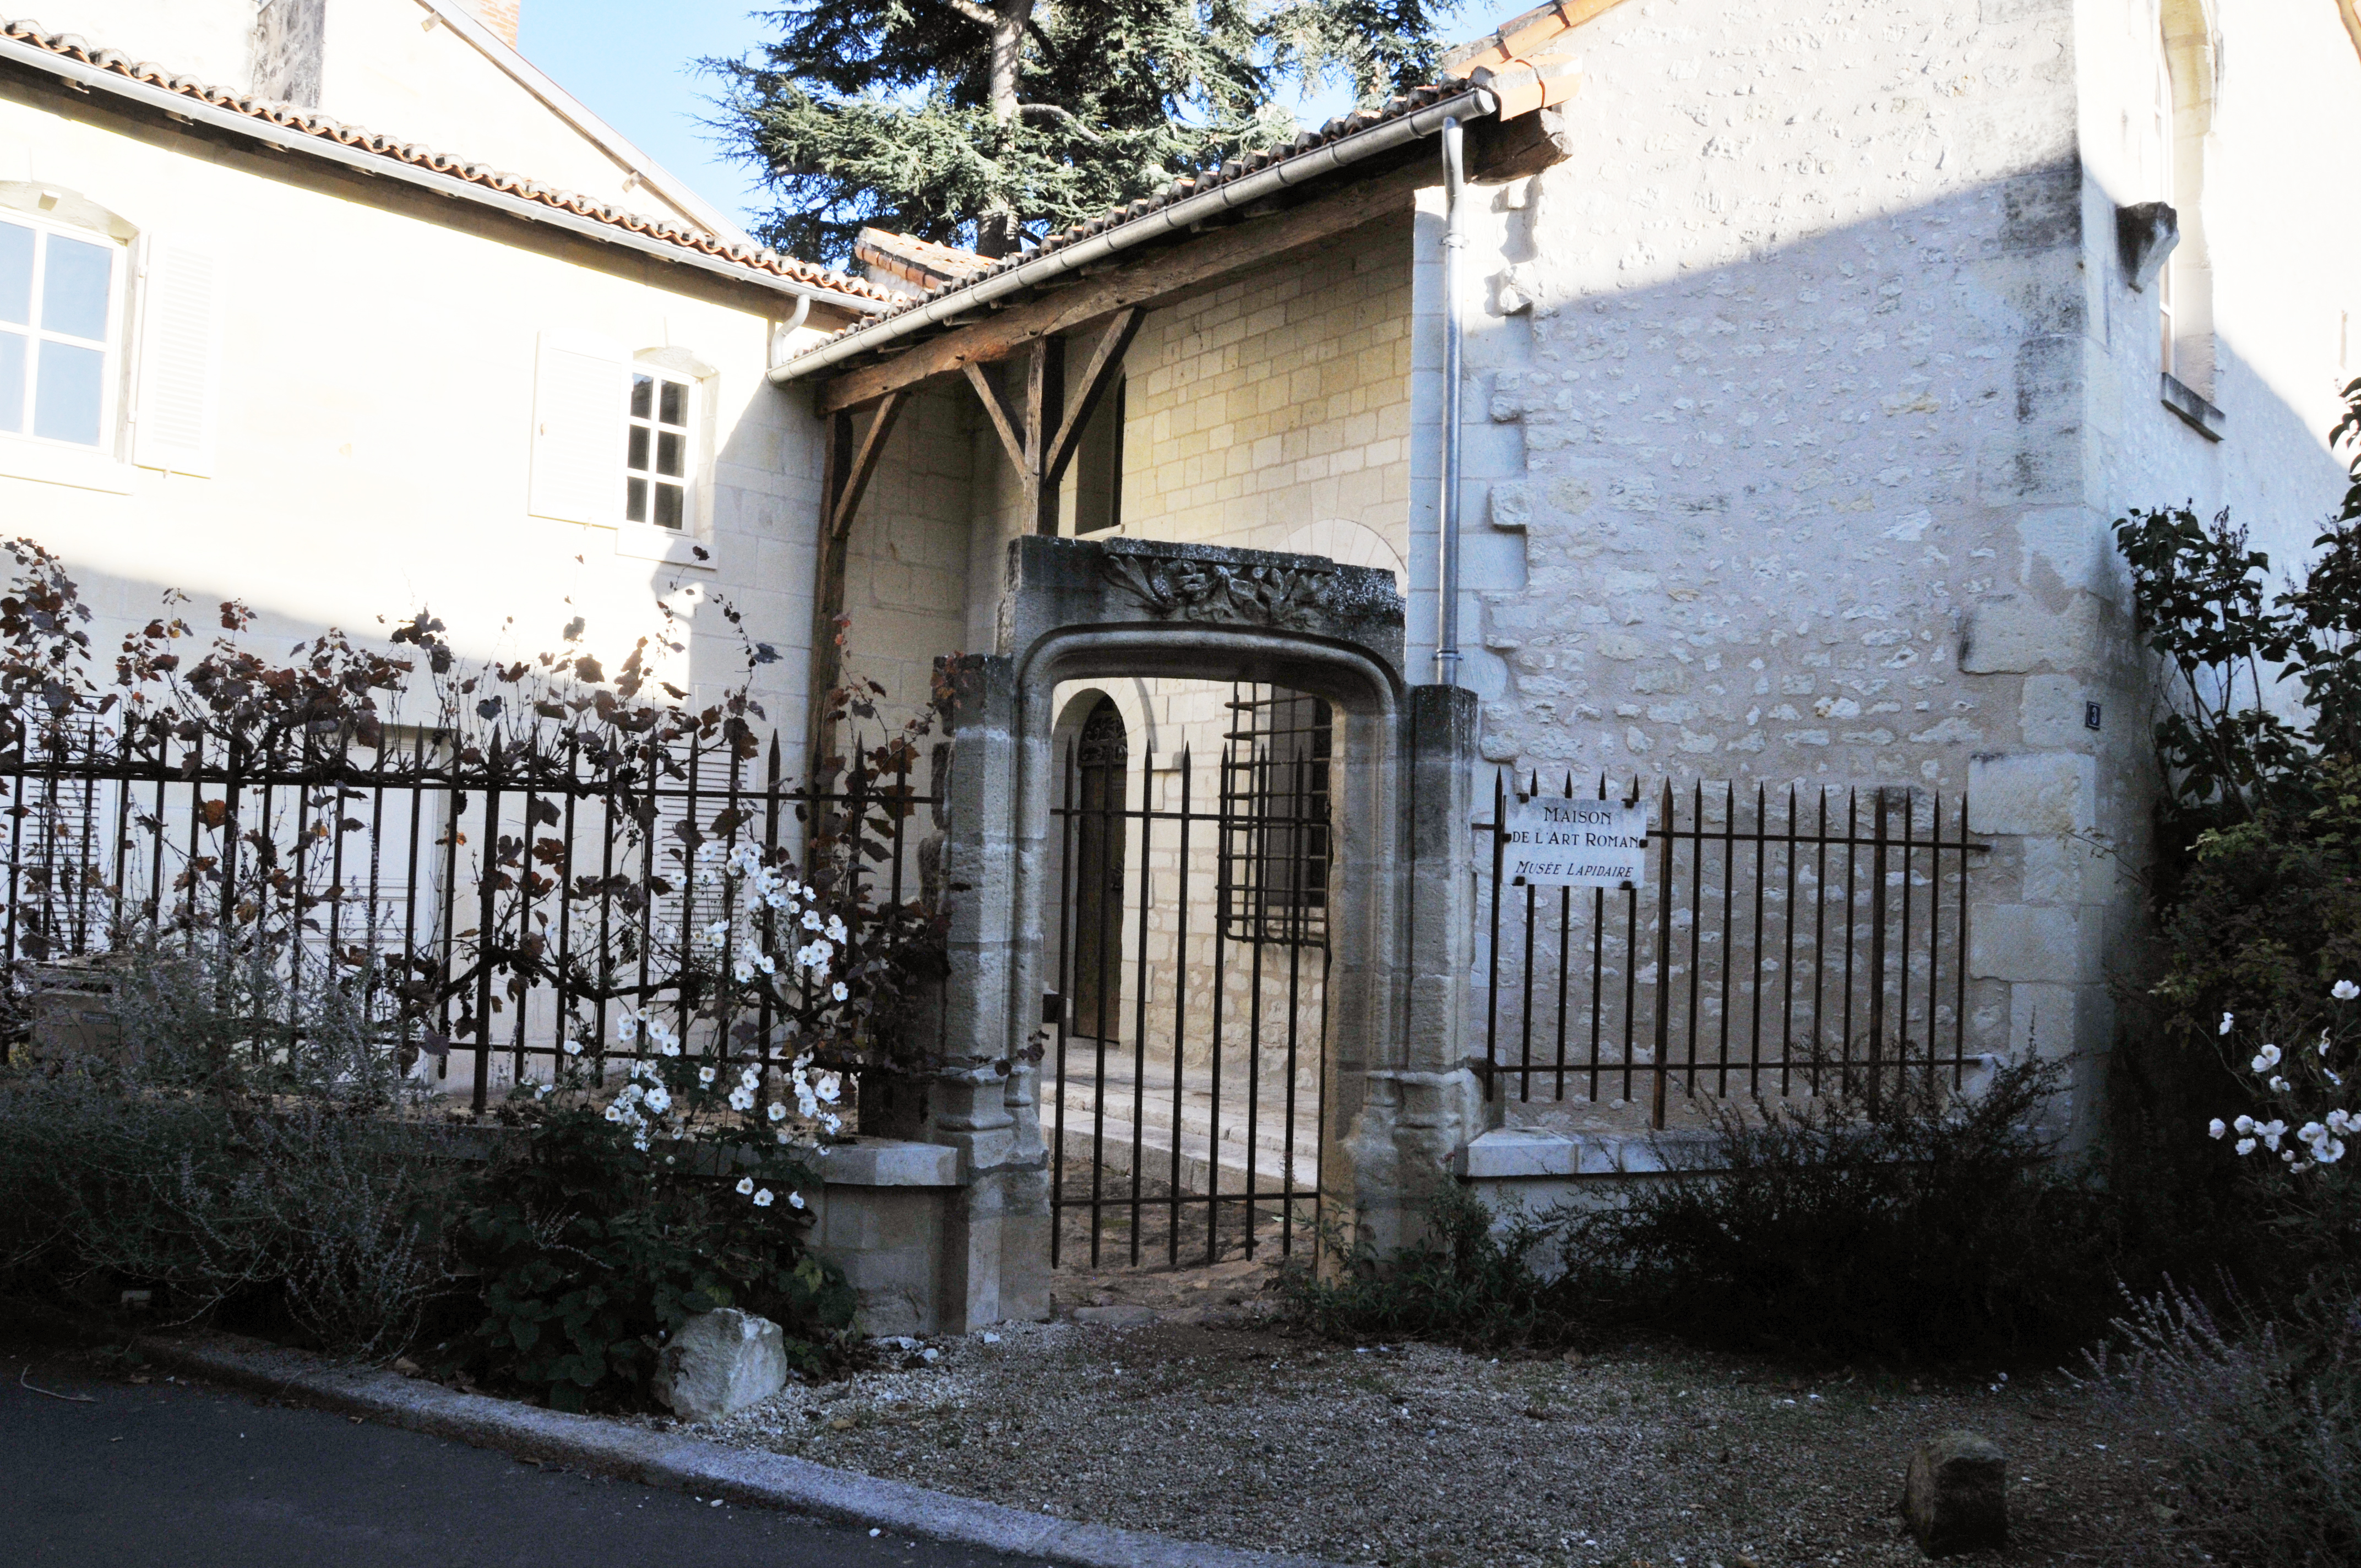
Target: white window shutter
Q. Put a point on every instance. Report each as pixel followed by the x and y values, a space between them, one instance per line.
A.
pixel 581 390
pixel 176 408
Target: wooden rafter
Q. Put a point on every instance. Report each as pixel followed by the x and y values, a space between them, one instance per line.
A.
pixel 863 464
pixel 1098 375
pixel 1199 263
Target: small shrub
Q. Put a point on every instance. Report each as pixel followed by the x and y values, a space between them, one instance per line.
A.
pixel 586 1250
pixel 238 1169
pixel 1924 1226
pixel 2265 1422
pixel 1470 1282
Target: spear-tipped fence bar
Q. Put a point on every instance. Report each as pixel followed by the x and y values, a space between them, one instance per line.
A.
pixel 364 860
pixel 1754 961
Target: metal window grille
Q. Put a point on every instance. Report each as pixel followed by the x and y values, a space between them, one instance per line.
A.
pixel 1275 837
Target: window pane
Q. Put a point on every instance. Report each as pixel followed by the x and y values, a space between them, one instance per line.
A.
pixel 675 403
pixel 65 406
pixel 635 499
pixel 640 391
pixel 668 507
pixel 12 381
pixel 637 455
pixel 15 274
pixel 667 453
pixel 73 287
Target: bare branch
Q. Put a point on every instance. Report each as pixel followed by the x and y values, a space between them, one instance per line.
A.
pixel 1060 112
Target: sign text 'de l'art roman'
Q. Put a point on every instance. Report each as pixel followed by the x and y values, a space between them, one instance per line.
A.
pixel 1577 843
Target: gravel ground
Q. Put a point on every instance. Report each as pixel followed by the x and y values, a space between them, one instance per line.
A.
pixel 1192 1415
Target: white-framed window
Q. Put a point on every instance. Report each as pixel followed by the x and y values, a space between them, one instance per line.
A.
pixel 658 447
pixel 60 308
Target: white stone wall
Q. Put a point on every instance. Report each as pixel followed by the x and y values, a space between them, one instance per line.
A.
pixel 1803 394
pixel 376 402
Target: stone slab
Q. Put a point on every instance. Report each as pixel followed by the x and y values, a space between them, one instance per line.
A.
pixel 890 1162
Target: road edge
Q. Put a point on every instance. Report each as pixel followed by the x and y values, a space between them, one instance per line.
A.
pixel 683 1463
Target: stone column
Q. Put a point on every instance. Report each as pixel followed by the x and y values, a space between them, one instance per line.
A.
pixel 974 1094
pixel 1423 1101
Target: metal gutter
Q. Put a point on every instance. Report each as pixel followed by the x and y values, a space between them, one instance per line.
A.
pixel 1475 104
pixel 181 106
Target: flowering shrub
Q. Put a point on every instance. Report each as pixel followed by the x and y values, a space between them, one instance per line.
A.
pixel 2304 1085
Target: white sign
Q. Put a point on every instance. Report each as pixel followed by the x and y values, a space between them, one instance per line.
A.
pixel 1555 842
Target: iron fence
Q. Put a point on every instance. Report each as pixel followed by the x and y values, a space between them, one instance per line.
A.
pixel 495 893
pixel 1812 944
pixel 1189 1021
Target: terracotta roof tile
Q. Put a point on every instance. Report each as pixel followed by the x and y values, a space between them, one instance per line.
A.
pixel 291 118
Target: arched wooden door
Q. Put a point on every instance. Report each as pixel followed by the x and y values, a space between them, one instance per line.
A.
pixel 1102 759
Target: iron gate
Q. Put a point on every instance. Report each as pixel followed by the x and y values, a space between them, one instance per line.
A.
pixel 1191 958
pixel 1815 943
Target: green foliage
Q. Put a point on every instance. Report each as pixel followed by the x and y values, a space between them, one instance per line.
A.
pixel 2264 1416
pixel 1468 1282
pixel 1924 1227
pixel 1920 1226
pixel 587 1251
pixel 230 1171
pixel 987 126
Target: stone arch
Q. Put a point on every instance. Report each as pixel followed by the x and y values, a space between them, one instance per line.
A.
pixel 1350 543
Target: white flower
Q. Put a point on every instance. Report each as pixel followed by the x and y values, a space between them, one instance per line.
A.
pixel 2271 1132
pixel 806 1106
pixel 742 1099
pixel 839 991
pixel 828 1088
pixel 2245 1146
pixel 2217 1129
pixel 779 901
pixel 573 1047
pixel 2330 1152
pixel 812 921
pixel 2279 1085
pixel 627 1028
pixel 2226 1021
pixel 783 1135
pixel 630 1092
pixel 742 970
pixel 2267 1058
pixel 762 1198
pixel 659 1099
pixel 2342 1121
pixel 745 1185
pixel 751 1077
pixel 2245 1123
pixel 2312 1132
pixel 835 928
pixel 832 1122
pixel 705 1076
pixel 794 1199
pixel 545 1090
pixel 2344 991
pixel 614 1112
pixel 776 1111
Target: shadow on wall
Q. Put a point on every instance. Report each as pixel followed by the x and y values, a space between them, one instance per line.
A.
pixel 1733 522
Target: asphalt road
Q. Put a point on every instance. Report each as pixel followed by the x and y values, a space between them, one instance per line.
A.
pixel 202 1477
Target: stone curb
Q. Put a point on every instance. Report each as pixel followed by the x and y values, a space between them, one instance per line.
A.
pixel 669 1459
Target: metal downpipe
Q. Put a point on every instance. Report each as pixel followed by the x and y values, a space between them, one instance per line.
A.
pixel 1455 241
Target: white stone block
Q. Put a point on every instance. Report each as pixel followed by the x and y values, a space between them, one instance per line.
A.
pixel 2024 942
pixel 719 1364
pixel 2016 631
pixel 2046 794
pixel 1506 1153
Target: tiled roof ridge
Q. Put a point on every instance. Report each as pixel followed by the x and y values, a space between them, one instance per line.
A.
pixel 1185 186
pixel 311 122
pixel 922 263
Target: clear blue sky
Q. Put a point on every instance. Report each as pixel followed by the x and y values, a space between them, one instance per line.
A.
pixel 634 62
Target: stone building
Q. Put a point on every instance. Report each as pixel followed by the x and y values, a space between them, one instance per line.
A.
pixel 1784 374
